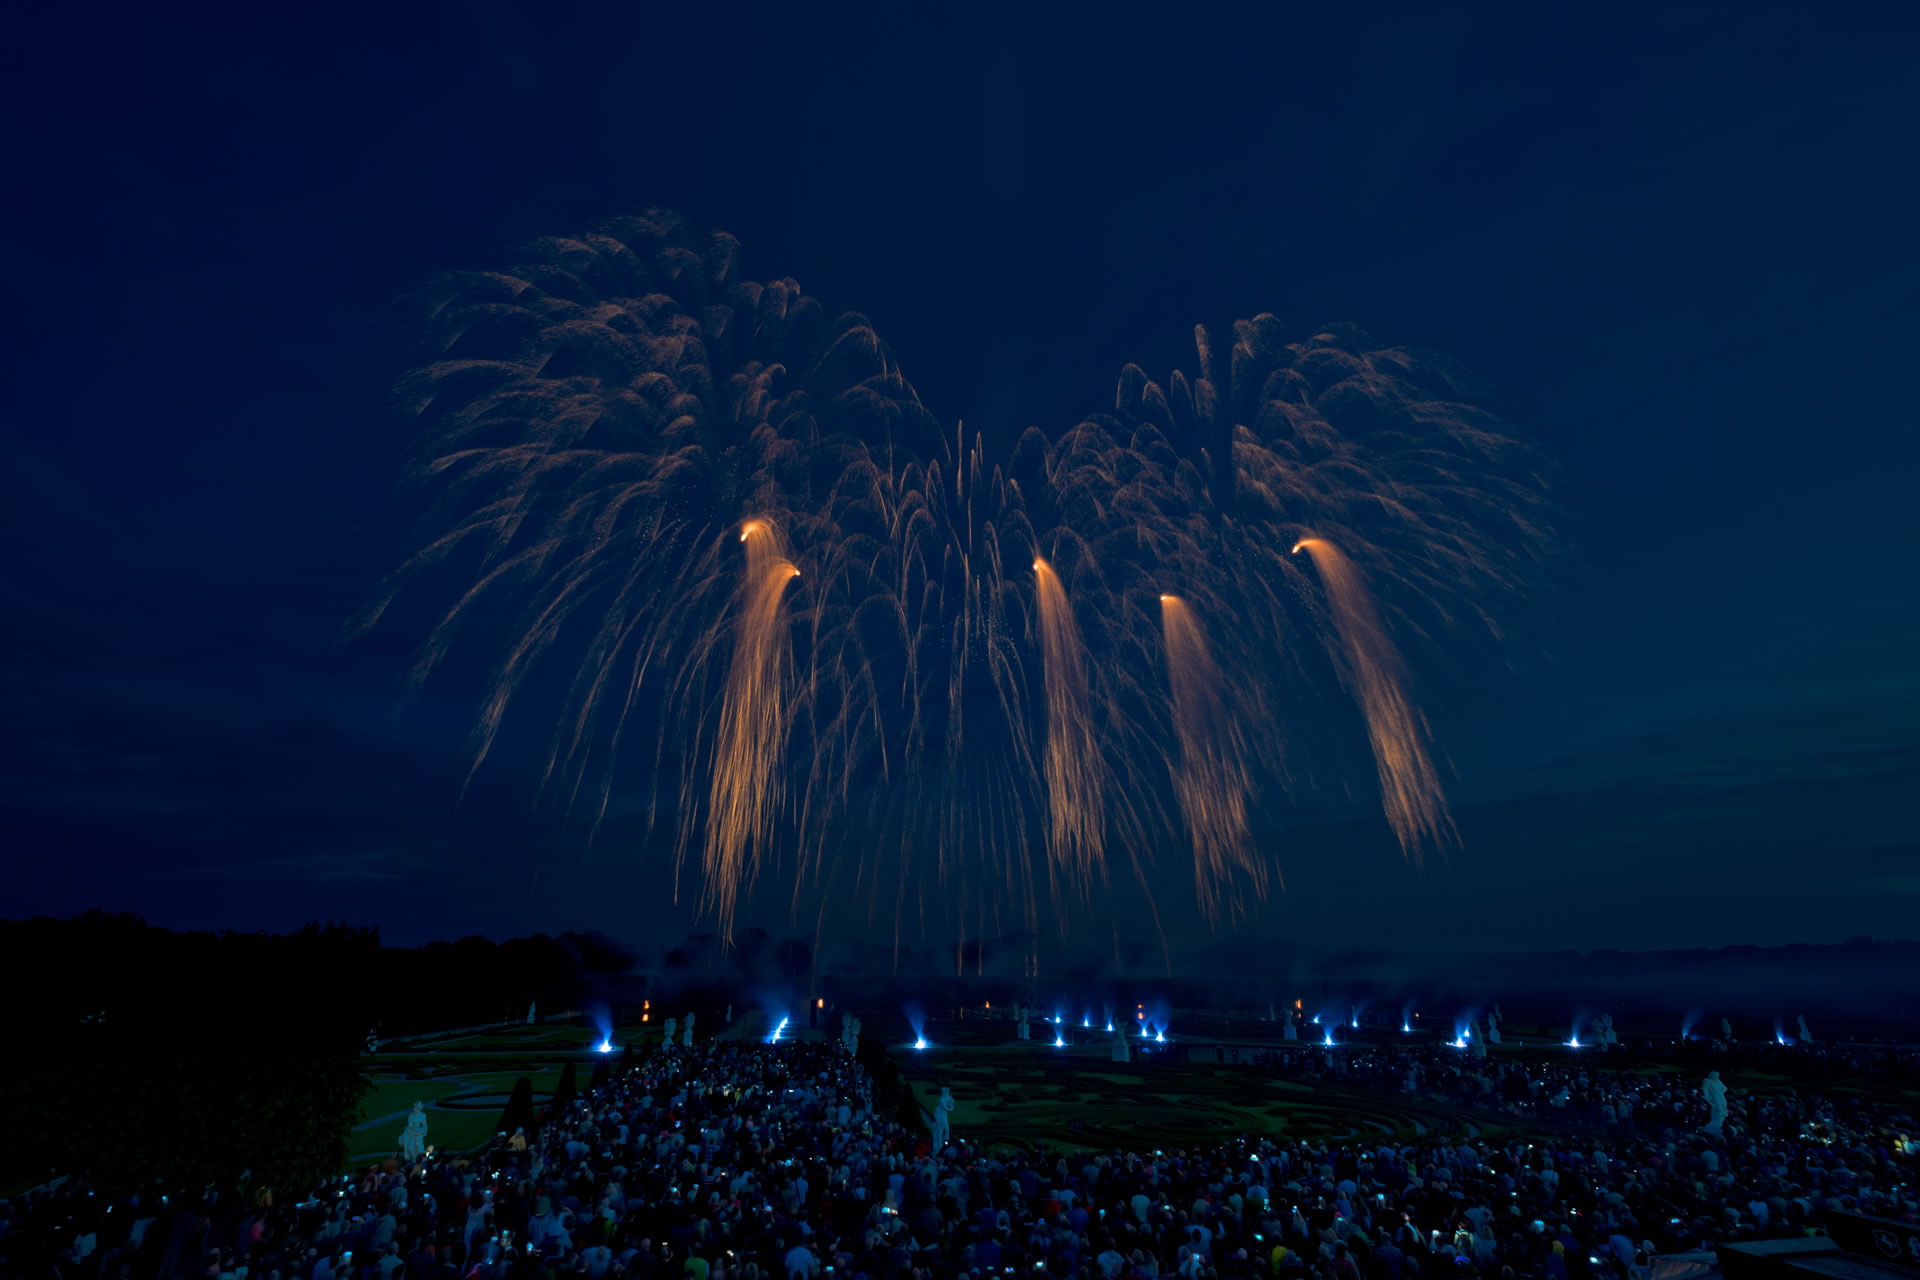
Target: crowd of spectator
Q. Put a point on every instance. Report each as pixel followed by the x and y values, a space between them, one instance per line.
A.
pixel 742 1161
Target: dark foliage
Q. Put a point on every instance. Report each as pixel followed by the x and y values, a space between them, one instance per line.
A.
pixel 891 1092
pixel 566 1092
pixel 519 1113
pixel 187 1058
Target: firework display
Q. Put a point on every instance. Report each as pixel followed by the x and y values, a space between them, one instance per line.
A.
pixel 829 635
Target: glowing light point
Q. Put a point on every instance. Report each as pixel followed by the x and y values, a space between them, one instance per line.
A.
pixel 921 1043
pixel 1109 1028
pixel 606 1046
pixel 1058 1041
pixel 1159 1037
pixel 1329 1040
pixel 1406 1026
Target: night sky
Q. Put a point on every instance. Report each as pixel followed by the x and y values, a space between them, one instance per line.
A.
pixel 1677 246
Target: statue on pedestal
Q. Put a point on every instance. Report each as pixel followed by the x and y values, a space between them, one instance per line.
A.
pixel 941 1110
pixel 1806 1036
pixel 413 1138
pixel 686 1036
pixel 1715 1092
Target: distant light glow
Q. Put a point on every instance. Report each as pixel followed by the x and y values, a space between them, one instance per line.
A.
pixel 1574 1043
pixel 1406 1026
pixel 1329 1040
pixel 1059 1042
pixel 921 1043
pixel 775 1037
pixel 606 1046
pixel 1160 1037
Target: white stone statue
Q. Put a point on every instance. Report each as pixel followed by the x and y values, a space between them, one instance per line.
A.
pixel 413 1138
pixel 1726 1030
pixel 1289 1031
pixel 1122 1051
pixel 686 1036
pixel 1806 1036
pixel 941 1110
pixel 1493 1025
pixel 846 1032
pixel 531 1005
pixel 673 1029
pixel 729 1015
pixel 1596 1033
pixel 1020 1016
pixel 855 1047
pixel 1607 1033
pixel 1478 1043
pixel 1715 1092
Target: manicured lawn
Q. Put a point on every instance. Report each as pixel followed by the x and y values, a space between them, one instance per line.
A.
pixel 449 1128
pixel 1081 1099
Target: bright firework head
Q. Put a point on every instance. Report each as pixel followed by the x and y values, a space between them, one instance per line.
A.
pixel 1210 775
pixel 1410 789
pixel 1076 770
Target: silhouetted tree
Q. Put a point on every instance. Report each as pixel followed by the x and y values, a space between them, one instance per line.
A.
pixel 519 1113
pixel 566 1092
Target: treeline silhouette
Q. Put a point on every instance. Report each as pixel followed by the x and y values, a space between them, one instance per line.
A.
pixel 137 1054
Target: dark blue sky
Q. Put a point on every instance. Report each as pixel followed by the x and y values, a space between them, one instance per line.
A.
pixel 1677 245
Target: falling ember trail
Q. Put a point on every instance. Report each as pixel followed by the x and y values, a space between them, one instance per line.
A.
pixel 1073 763
pixel 1210 778
pixel 1409 787
pixel 753 713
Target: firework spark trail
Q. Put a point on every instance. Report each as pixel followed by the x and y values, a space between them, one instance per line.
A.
pixel 1074 763
pixel 597 422
pixel 1210 778
pixel 1409 787
pixel 747 789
